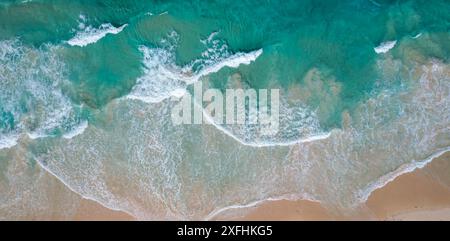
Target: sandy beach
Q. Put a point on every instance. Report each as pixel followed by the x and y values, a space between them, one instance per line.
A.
pixel 91 211
pixel 419 195
pixel 224 110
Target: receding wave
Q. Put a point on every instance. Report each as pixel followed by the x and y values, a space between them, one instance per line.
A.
pixel 405 168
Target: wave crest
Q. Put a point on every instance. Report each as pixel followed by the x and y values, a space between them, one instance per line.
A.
pixel 88 35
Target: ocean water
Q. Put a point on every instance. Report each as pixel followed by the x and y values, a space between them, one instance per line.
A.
pixel 86 87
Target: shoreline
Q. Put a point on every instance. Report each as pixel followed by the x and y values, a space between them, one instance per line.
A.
pixel 415 195
pixel 92 211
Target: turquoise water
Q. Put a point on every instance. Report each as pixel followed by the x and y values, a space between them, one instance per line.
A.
pixel 85 91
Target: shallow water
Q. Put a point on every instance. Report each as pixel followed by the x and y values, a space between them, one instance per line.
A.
pixel 86 86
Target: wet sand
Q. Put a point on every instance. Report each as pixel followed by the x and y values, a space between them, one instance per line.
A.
pixel 420 195
pixel 92 211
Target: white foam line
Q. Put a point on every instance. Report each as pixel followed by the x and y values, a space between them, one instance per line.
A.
pixel 210 37
pixel 388 177
pixel 385 47
pixel 35 135
pixel 8 142
pixel 417 36
pixel 257 203
pixel 92 35
pixel 403 169
pixel 78 130
pixel 270 144
pixel 84 197
pixel 233 62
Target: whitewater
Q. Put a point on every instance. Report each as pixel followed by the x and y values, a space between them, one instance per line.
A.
pixel 87 90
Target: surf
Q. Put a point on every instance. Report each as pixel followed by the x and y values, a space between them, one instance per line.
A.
pixel 87 35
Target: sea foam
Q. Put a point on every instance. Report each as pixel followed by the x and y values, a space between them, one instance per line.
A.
pixel 385 47
pixel 417 36
pixel 34 78
pixel 162 78
pixel 89 35
pixel 78 130
pixel 7 142
pixel 387 132
pixel 254 142
pixel 364 194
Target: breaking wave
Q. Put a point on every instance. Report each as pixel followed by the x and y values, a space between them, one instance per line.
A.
pixel 88 35
pixel 31 96
pixel 162 78
pixel 385 47
pixel 177 172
